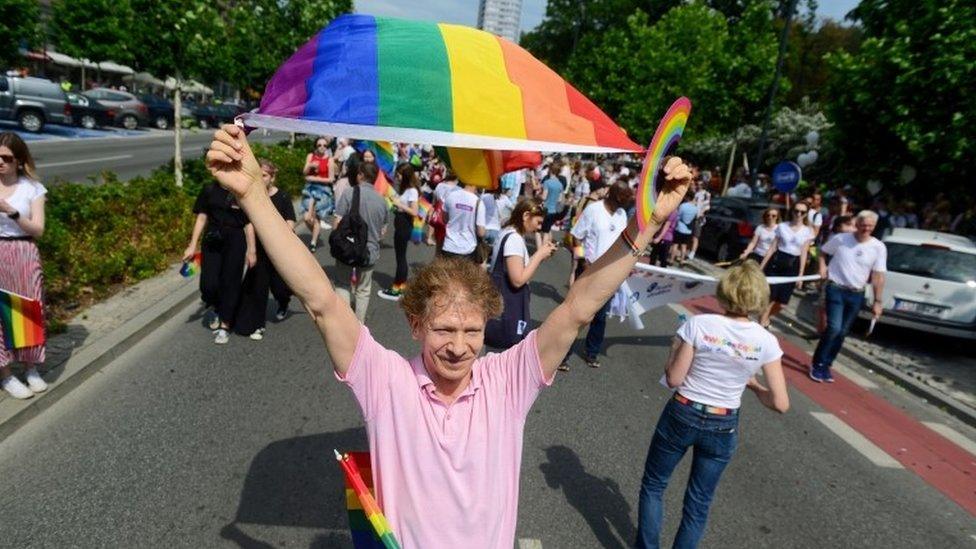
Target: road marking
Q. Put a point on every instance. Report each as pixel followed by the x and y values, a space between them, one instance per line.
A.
pixel 85 161
pixel 953 435
pixel 857 378
pixel 867 448
pixel 527 543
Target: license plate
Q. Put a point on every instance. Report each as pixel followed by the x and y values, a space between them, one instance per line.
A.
pixel 919 308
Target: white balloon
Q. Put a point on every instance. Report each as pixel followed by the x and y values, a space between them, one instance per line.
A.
pixel 812 138
pixel 874 187
pixel 812 156
pixel 803 160
pixel 908 174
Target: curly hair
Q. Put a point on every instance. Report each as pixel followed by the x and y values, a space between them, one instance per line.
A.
pixel 452 278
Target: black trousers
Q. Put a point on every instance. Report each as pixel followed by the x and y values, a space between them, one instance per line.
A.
pixel 402 226
pixel 279 289
pixel 221 269
pixel 253 305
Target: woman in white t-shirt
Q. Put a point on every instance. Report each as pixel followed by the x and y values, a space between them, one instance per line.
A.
pixel 762 237
pixel 22 200
pixel 787 256
pixel 406 211
pixel 713 360
pixel 511 270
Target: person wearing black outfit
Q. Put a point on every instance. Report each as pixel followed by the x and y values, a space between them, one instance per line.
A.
pixel 406 210
pixel 262 276
pixel 225 249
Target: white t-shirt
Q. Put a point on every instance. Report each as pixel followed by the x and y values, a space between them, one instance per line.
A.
pixel 460 206
pixel 25 191
pixel 598 230
pixel 727 353
pixel 852 262
pixel 815 217
pixel 790 241
pixel 492 223
pixel 505 206
pixel 766 237
pixel 409 195
pixel 741 189
pixel 703 199
pixel 344 153
pixel 443 189
pixel 515 245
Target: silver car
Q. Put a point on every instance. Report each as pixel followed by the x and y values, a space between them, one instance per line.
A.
pixel 931 283
pixel 33 102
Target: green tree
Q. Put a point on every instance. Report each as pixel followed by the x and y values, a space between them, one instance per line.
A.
pixel 905 98
pixel 18 26
pixel 806 64
pixel 99 30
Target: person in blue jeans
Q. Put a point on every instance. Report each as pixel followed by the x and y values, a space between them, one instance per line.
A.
pixel 857 259
pixel 713 359
pixel 552 191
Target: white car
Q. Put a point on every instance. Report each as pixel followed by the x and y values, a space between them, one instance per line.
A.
pixel 930 284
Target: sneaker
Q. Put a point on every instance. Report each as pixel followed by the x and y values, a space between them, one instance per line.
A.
pixel 825 372
pixel 16 388
pixel 258 334
pixel 213 321
pixel 593 362
pixel 691 255
pixel 280 314
pixel 221 337
pixel 35 382
pixel 325 226
pixel 817 373
pixel 312 247
pixel 392 295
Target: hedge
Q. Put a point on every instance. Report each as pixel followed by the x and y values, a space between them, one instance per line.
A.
pixel 100 238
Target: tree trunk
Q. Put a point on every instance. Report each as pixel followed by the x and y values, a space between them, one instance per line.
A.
pixel 177 133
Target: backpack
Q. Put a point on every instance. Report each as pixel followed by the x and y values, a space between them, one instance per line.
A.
pixel 347 243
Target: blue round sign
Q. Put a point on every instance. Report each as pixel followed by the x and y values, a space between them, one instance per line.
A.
pixel 786 176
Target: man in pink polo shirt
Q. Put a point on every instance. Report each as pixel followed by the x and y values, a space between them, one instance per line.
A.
pixel 445 428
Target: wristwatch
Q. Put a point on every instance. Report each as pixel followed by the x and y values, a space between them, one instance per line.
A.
pixel 14 215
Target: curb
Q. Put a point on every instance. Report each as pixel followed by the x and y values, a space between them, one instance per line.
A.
pixel 88 360
pixel 788 322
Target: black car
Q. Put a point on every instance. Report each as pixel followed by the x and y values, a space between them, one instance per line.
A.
pixel 212 116
pixel 160 111
pixel 89 113
pixel 730 224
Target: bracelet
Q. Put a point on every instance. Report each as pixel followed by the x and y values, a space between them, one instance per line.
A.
pixel 634 250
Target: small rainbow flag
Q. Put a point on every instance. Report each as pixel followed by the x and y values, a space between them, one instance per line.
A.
pixel 22 321
pixel 192 267
pixel 386 190
pixel 383 151
pixel 367 524
pixel 417 231
pixel 424 207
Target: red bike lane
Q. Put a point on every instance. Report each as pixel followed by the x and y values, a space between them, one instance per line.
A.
pixel 937 460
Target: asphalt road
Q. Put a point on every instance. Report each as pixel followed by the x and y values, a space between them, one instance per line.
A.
pixel 79 160
pixel 182 443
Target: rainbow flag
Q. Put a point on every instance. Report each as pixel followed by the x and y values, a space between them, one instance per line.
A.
pixel 367 524
pixel 383 151
pixel 483 168
pixel 22 321
pixel 424 208
pixel 385 189
pixel 417 230
pixel 192 267
pixel 381 78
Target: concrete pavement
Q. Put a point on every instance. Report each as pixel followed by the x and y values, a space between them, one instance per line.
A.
pixel 181 443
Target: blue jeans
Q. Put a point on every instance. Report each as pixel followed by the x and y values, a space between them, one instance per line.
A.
pixel 842 308
pixel 714 439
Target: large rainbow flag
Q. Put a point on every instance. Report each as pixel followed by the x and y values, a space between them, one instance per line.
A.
pixel 22 321
pixel 483 168
pixel 387 79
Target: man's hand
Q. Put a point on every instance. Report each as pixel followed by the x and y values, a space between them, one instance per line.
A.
pixel 677 178
pixel 231 161
pixel 876 308
pixel 188 253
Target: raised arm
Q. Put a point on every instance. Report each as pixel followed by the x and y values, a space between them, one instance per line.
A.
pixel 601 279
pixel 233 165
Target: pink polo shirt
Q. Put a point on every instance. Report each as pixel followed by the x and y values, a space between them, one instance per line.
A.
pixel 446 475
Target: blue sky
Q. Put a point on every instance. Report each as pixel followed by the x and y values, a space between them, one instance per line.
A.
pixel 465 12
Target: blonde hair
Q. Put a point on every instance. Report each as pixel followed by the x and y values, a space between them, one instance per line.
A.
pixel 743 289
pixel 450 278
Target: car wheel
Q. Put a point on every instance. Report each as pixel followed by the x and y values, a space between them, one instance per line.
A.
pixel 88 122
pixel 722 254
pixel 130 122
pixel 31 121
pixel 162 123
pixel 204 125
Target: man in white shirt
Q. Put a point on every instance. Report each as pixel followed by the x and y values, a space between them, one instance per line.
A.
pixel 343 150
pixel 857 259
pixel 598 227
pixel 465 222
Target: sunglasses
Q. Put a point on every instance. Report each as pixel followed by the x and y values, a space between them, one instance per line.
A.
pixel 772 215
pixel 320 145
pixel 799 211
pixel 7 158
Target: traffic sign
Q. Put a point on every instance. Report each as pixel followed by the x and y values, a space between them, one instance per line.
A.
pixel 786 176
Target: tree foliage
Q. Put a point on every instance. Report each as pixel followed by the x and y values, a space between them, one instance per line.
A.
pixel 905 98
pixel 635 72
pixel 18 26
pixel 806 65
pixel 99 30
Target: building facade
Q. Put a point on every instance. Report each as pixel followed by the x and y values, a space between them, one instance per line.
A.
pixel 501 17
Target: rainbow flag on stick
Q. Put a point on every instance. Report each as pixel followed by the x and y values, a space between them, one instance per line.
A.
pixel 385 189
pixel 22 321
pixel 367 523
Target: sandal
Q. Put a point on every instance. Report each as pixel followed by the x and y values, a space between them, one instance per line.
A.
pixel 593 362
pixel 564 367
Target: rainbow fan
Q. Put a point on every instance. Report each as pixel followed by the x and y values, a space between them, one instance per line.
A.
pixel 665 138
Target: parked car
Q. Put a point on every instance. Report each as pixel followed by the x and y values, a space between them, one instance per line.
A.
pixel 212 116
pixel 729 225
pixel 89 113
pixel 130 113
pixel 160 111
pixel 33 102
pixel 930 284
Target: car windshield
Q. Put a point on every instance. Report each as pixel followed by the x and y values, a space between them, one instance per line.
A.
pixel 931 262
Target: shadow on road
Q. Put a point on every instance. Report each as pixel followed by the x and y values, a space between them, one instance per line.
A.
pixel 296 483
pixel 598 500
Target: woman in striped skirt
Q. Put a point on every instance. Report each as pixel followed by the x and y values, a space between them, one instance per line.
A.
pixel 21 221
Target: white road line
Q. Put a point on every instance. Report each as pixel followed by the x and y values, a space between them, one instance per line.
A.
pixel 527 543
pixel 85 161
pixel 857 378
pixel 953 435
pixel 867 448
